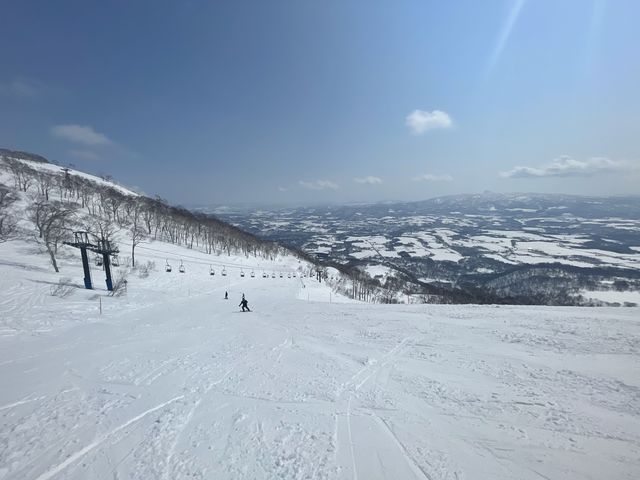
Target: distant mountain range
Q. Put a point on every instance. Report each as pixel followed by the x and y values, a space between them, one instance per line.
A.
pixel 525 204
pixel 480 203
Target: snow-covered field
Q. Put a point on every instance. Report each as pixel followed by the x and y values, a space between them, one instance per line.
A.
pixel 461 243
pixel 173 382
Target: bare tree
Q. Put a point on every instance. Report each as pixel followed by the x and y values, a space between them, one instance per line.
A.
pixel 120 284
pixel 102 228
pixel 52 219
pixel 8 222
pixel 136 227
pixel 23 175
pixel 45 183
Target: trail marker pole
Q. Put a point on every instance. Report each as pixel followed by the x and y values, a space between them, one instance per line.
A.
pixel 100 298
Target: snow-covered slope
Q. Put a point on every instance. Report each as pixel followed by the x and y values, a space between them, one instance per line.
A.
pixel 51 168
pixel 27 282
pixel 171 381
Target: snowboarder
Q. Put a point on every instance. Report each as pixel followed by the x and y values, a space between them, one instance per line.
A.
pixel 226 295
pixel 244 304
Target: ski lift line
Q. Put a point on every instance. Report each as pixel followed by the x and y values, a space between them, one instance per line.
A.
pixel 197 260
pixel 200 260
pixel 208 262
pixel 217 263
pixel 211 262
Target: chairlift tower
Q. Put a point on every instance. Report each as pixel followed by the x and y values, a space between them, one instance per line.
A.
pixel 103 247
pixel 81 241
pixel 67 178
pixel 106 250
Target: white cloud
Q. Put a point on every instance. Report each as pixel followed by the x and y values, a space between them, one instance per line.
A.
pixel 318 185
pixel 282 189
pixel 84 155
pixel 80 134
pixel 420 121
pixel 428 177
pixel 368 180
pixel 21 88
pixel 570 167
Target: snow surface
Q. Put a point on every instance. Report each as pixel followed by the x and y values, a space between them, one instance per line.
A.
pixel 531 248
pixel 376 270
pixel 173 382
pixel 612 296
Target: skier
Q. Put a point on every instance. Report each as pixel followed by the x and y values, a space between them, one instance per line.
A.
pixel 244 304
pixel 226 295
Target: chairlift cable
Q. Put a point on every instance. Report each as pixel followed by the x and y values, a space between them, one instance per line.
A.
pixel 197 260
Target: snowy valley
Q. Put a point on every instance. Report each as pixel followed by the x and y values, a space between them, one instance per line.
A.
pixel 484 248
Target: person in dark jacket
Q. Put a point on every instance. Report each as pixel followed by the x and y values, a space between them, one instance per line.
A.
pixel 244 304
pixel 226 295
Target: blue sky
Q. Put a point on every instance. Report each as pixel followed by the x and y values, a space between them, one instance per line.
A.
pixel 207 102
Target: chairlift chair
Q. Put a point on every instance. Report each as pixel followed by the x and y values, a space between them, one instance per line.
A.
pixel 253 274
pixel 181 269
pixel 264 274
pixel 273 275
pixel 224 272
pixel 115 261
pixel 167 267
pixel 281 275
pixel 98 260
pixel 288 275
pixel 211 270
pixel 242 273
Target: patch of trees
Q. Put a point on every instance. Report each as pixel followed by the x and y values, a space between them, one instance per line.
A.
pixel 52 220
pixel 8 221
pixel 22 155
pixel 556 284
pixel 60 202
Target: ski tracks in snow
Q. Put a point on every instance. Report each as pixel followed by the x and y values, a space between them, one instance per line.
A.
pixel 384 426
pixel 101 439
pixel 362 436
pixel 322 392
pixel 158 456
